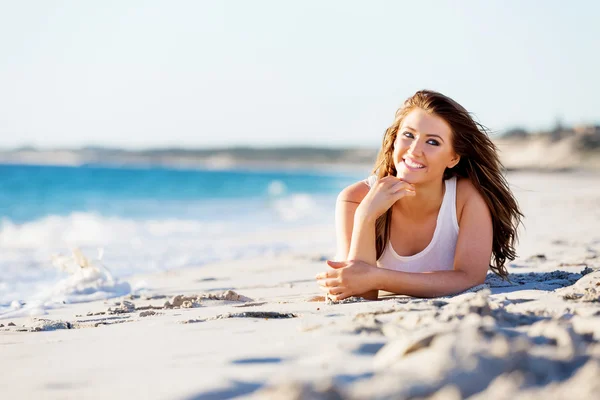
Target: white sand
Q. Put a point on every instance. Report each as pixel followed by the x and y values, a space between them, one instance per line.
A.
pixel 536 337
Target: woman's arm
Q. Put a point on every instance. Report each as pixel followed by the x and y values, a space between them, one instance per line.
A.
pixel 425 284
pixel 355 236
pixel 471 262
pixel 471 259
pixel 345 209
pixel 357 210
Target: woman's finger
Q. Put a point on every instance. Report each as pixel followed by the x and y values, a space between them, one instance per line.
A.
pixel 402 186
pixel 323 275
pixel 335 291
pixel 338 297
pixel 329 283
pixel 405 192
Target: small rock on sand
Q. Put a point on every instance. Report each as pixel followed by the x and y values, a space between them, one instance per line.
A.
pixel 147 313
pixel 43 325
pixel 124 307
pixel 351 299
pixel 228 295
pixel 193 301
pixel 246 314
pixel 183 302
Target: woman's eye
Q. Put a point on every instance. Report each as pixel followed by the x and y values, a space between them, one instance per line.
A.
pixel 410 135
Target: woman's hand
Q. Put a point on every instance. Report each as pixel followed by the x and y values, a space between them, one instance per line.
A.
pixel 384 193
pixel 347 278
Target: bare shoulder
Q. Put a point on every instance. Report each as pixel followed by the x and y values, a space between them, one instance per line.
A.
pixel 468 195
pixel 354 193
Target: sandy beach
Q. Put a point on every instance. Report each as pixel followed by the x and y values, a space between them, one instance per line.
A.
pixel 257 327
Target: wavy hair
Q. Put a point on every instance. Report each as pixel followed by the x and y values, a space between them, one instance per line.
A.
pixel 479 162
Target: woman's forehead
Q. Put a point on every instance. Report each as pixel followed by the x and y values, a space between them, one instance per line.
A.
pixel 426 123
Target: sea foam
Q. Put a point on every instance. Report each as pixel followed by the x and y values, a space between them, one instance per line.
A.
pixel 84 280
pixel 29 251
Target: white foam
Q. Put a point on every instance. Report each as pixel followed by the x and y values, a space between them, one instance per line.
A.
pixel 84 280
pixel 276 188
pixel 295 207
pixel 142 246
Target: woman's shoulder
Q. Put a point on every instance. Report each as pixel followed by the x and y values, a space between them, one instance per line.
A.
pixel 465 187
pixel 467 194
pixel 357 191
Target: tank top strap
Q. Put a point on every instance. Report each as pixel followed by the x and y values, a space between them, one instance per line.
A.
pixel 449 210
pixel 451 203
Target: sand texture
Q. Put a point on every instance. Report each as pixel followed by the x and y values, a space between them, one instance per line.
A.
pixel 260 328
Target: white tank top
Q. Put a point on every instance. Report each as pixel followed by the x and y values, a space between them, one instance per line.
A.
pixel 439 254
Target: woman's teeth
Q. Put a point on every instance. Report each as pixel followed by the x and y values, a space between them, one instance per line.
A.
pixel 413 164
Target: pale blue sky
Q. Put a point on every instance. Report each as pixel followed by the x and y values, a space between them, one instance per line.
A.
pixel 140 74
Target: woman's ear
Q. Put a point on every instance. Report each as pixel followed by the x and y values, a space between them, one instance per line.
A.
pixel 455 160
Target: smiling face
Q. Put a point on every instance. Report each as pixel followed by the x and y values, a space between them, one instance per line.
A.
pixel 423 148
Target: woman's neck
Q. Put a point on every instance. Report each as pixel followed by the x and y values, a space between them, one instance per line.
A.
pixel 426 201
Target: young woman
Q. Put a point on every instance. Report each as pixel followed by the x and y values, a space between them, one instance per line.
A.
pixel 433 216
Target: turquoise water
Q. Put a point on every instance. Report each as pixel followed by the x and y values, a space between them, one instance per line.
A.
pixel 147 220
pixel 28 193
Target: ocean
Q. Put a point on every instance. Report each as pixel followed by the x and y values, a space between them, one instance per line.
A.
pixel 129 220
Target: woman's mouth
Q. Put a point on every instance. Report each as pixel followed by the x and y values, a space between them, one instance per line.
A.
pixel 412 165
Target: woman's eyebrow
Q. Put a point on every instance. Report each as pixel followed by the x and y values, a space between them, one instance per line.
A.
pixel 437 136
pixel 427 135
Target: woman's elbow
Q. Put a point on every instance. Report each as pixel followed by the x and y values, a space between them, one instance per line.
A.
pixel 475 279
pixel 471 279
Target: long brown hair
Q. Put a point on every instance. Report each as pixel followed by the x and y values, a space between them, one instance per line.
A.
pixel 479 162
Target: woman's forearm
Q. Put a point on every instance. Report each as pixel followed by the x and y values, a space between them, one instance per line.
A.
pixel 424 284
pixel 419 284
pixel 362 244
pixel 362 247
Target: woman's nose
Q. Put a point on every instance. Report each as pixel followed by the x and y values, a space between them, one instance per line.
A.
pixel 415 147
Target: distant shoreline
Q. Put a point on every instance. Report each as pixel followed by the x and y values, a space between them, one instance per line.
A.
pixel 345 160
pixel 551 152
pixel 246 166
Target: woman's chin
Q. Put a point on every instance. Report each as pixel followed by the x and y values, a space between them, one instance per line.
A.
pixel 405 176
